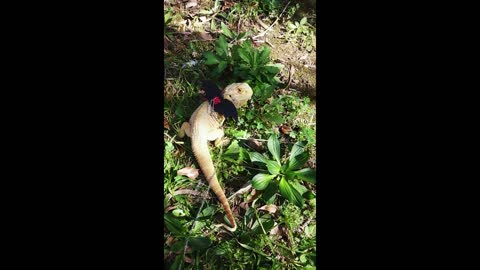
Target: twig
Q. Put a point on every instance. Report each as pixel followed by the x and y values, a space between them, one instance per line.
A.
pixel 211 17
pixel 238 25
pixel 188 192
pixel 261 23
pixel 305 224
pixel 271 45
pixel 243 190
pixel 247 139
pixel 291 70
pixel 276 20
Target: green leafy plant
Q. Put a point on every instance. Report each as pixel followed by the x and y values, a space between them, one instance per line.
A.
pixel 233 158
pixel 302 33
pixel 244 63
pixel 232 35
pixel 284 178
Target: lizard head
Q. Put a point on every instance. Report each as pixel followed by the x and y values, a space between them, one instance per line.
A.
pixel 238 93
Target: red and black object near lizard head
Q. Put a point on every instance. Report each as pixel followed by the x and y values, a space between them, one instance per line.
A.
pixel 219 104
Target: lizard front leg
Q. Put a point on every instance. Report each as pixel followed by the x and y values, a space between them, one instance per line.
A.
pixel 215 135
pixel 185 129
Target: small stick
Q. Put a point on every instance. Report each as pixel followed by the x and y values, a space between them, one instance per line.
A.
pixel 276 20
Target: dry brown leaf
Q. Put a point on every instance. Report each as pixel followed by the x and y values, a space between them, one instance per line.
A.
pixel 168 209
pixel 270 208
pixel 187 259
pixel 187 250
pixel 169 240
pixel 205 36
pixel 244 205
pixel 256 145
pixel 285 129
pixel 227 4
pixel 166 42
pixel 275 230
pixel 186 191
pixel 191 3
pixel 189 172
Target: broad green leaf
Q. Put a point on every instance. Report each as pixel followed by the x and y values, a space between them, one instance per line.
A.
pixel 267 223
pixel 297 149
pixel 290 175
pixel 210 58
pixel 284 167
pixel 276 65
pixel 299 187
pixel 306 174
pixel 219 250
pixel 275 117
pixel 255 60
pixel 270 71
pixel 208 211
pixel 226 31
pixel 243 133
pixel 290 193
pixel 221 66
pixel 233 148
pixel 178 245
pixel 254 156
pixel 290 25
pixel 273 167
pixel 167 18
pixel 198 226
pixel 247 45
pixel 252 249
pixel 309 195
pixel 177 262
pixel 221 46
pixel 242 54
pixel 199 243
pixel 274 147
pixel 264 56
pixel 178 213
pixel 270 191
pixel 303 21
pixel 244 34
pixel 172 224
pixel 261 181
pixel 213 26
pixel 297 161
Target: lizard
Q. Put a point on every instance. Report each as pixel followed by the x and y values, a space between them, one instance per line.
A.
pixel 205 125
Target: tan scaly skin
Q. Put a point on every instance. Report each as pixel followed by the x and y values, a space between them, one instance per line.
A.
pixel 205 125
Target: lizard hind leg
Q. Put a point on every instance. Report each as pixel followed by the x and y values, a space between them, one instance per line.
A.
pixel 185 129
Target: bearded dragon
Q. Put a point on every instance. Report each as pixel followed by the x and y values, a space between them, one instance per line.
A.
pixel 205 125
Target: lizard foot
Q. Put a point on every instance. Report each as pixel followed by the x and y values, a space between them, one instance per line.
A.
pixel 221 142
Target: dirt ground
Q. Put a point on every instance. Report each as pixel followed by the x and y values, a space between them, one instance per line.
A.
pixel 300 64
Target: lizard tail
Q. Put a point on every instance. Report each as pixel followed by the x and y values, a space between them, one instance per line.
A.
pixel 202 154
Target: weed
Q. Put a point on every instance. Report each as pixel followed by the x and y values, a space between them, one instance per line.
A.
pixel 283 177
pixel 301 33
pixel 244 63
